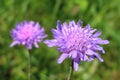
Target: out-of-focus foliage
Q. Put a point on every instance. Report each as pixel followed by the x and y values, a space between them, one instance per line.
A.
pixel 101 14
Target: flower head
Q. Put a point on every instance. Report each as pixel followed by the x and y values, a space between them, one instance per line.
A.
pixel 77 43
pixel 27 33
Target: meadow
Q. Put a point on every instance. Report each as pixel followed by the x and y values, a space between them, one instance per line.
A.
pixel 104 15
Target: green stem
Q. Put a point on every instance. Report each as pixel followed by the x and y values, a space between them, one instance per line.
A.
pixel 71 71
pixel 29 65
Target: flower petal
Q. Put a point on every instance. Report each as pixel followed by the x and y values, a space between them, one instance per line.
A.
pixel 36 45
pixel 62 58
pixel 76 63
pixel 90 52
pixel 97 34
pixel 103 42
pixel 58 25
pixel 79 23
pixel 99 48
pixel 29 46
pixel 73 54
pixel 85 58
pixel 99 57
pixel 14 43
pixel 100 41
pixel 51 43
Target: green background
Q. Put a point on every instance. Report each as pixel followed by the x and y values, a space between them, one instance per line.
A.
pixel 104 15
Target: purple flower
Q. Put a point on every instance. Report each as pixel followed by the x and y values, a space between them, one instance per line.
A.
pixel 27 33
pixel 77 43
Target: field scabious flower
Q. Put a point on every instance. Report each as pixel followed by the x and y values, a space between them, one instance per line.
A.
pixel 77 43
pixel 27 33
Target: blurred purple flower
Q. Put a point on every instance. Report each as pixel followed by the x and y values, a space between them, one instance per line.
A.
pixel 27 33
pixel 77 43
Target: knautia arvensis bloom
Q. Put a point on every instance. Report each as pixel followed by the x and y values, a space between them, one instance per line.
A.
pixel 27 34
pixel 76 42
